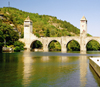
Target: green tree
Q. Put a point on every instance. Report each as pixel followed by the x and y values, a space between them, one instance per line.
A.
pixel 73 46
pixel 37 34
pixel 1 40
pixel 51 46
pixel 93 45
pixel 18 46
pixel 54 46
pixel 9 35
pixel 36 44
pixel 47 33
pixel 53 32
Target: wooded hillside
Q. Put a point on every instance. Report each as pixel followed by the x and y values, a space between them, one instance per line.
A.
pixel 41 23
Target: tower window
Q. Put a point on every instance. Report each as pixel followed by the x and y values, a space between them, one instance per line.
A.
pixel 82 21
pixel 26 25
pixel 82 25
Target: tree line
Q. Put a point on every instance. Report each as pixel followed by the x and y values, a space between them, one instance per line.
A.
pixel 9 37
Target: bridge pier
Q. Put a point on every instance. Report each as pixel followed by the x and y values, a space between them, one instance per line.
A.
pixel 83 49
pixel 45 48
pixel 63 48
pixel 28 49
pixel 82 52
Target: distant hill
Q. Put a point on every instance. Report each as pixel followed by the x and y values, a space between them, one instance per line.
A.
pixel 41 23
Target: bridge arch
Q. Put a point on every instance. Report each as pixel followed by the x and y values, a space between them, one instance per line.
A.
pixel 54 45
pixel 94 46
pixel 91 40
pixel 36 44
pixel 75 38
pixel 54 39
pixel 74 42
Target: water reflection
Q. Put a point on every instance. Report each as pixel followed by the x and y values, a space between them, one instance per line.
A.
pixel 27 68
pixel 9 69
pixel 97 78
pixel 45 58
pixel 83 70
pixel 63 59
pixel 47 69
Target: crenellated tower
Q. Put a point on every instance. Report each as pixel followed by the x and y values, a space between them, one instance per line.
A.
pixel 83 34
pixel 83 27
pixel 28 28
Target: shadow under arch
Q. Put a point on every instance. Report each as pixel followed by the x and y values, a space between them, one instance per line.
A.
pixel 36 46
pixel 92 45
pixel 54 45
pixel 73 45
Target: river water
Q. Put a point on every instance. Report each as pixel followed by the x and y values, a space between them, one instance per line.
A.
pixel 47 69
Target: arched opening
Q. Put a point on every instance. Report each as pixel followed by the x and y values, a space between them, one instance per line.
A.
pixel 36 46
pixel 93 45
pixel 73 45
pixel 54 46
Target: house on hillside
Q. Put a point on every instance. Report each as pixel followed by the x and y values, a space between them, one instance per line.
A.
pixel 2 16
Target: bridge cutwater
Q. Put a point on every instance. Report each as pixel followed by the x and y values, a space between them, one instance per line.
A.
pixel 83 39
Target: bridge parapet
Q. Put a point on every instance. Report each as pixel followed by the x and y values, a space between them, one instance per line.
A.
pixel 92 38
pixel 67 39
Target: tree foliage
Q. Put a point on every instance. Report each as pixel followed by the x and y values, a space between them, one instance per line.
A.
pixel 73 46
pixel 1 40
pixel 8 34
pixel 18 46
pixel 47 33
pixel 93 45
pixel 36 44
pixel 54 46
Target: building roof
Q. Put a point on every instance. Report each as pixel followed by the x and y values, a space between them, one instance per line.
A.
pixel 83 18
pixel 28 19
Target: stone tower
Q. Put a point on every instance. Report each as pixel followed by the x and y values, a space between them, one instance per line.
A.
pixel 83 27
pixel 28 28
pixel 83 34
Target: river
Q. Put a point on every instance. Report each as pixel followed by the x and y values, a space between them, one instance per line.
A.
pixel 47 69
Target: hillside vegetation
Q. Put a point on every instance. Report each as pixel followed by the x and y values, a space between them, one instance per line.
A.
pixel 43 25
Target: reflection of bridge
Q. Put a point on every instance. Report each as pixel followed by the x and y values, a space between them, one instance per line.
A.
pixel 29 38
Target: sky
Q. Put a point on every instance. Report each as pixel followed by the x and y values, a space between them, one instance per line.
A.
pixel 69 10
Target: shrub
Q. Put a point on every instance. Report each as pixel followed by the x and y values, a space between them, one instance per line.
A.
pixel 18 46
pixel 17 49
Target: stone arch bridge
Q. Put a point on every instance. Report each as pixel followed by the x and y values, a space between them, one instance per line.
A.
pixel 29 38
